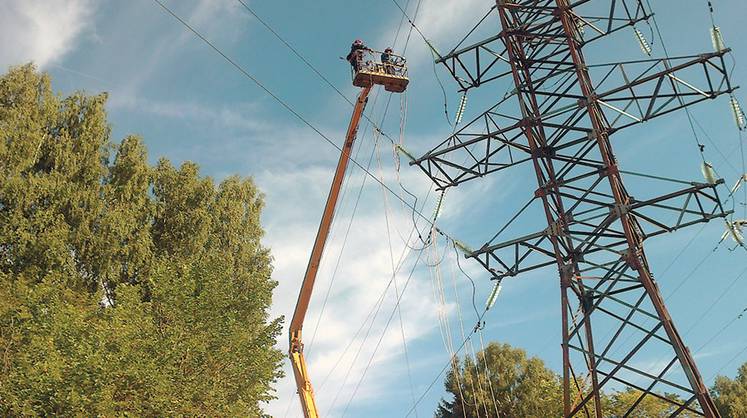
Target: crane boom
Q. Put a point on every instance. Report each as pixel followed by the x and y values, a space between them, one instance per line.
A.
pixel 303 383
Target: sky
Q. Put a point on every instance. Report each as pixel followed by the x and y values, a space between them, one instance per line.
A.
pixel 188 103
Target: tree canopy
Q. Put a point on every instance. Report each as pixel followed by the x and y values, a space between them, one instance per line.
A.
pixel 730 395
pixel 125 288
pixel 501 381
pixel 629 403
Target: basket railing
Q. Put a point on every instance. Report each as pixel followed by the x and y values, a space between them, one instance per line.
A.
pixel 370 61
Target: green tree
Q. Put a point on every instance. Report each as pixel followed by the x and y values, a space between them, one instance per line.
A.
pixel 649 406
pixel 125 289
pixel 501 382
pixel 730 395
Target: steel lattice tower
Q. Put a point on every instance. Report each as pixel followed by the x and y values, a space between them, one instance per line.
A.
pixel 612 310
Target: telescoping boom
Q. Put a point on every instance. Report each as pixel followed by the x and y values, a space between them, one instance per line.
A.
pixel 392 74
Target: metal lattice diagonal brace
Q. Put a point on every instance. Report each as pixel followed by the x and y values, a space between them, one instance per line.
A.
pixel 612 311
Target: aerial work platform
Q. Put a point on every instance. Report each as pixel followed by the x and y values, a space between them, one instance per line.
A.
pixel 368 69
pixel 392 75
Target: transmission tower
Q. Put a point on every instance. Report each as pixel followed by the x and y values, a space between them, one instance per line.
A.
pixel 613 314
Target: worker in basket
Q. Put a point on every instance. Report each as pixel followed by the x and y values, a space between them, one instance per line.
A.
pixel 355 56
pixel 387 61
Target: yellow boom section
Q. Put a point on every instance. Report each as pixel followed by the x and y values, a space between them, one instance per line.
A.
pixel 303 382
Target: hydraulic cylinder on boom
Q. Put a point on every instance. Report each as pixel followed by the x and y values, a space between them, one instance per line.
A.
pixel 392 74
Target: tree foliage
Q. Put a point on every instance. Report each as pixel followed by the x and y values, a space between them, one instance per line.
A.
pixel 504 382
pixel 730 395
pixel 124 288
pixel 501 382
pixel 629 403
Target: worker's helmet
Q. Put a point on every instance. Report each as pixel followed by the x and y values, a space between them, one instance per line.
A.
pixel 358 42
pixel 388 50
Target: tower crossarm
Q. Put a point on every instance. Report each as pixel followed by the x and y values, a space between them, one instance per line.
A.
pixel 591 228
pixel 480 62
pixel 630 93
pixel 637 91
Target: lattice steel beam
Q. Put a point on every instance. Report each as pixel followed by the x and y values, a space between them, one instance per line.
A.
pixel 592 220
pixel 480 62
pixel 634 92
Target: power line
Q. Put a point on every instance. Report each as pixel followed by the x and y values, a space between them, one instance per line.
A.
pixel 690 275
pixel 412 24
pixel 309 64
pixel 310 345
pixel 373 312
pixel 434 53
pixel 349 225
pixel 466 339
pixel 375 308
pixel 378 307
pixel 744 350
pixel 690 118
pixel 394 280
pixel 708 310
pixel 396 289
pixel 376 130
pixel 443 369
pixel 740 139
pixel 676 88
pixel 692 121
pixel 292 111
pixel 721 331
pixel 342 249
pixel 383 333
pixel 718 299
pixel 378 304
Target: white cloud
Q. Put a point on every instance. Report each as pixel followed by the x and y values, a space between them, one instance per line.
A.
pixel 295 196
pixel 233 117
pixel 442 22
pixel 362 278
pixel 295 178
pixel 42 31
pixel 363 275
pixel 160 46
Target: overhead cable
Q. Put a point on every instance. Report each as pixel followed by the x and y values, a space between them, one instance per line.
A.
pixel 308 63
pixel 288 108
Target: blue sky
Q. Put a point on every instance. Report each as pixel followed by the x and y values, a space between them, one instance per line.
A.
pixel 189 104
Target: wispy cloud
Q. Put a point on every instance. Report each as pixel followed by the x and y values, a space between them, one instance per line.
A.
pixel 362 278
pixel 160 41
pixel 295 195
pixel 42 31
pixel 234 117
pixel 441 21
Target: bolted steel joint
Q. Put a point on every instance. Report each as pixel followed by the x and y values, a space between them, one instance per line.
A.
pixel 566 274
pixel 632 257
pixel 544 152
pixel 620 209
